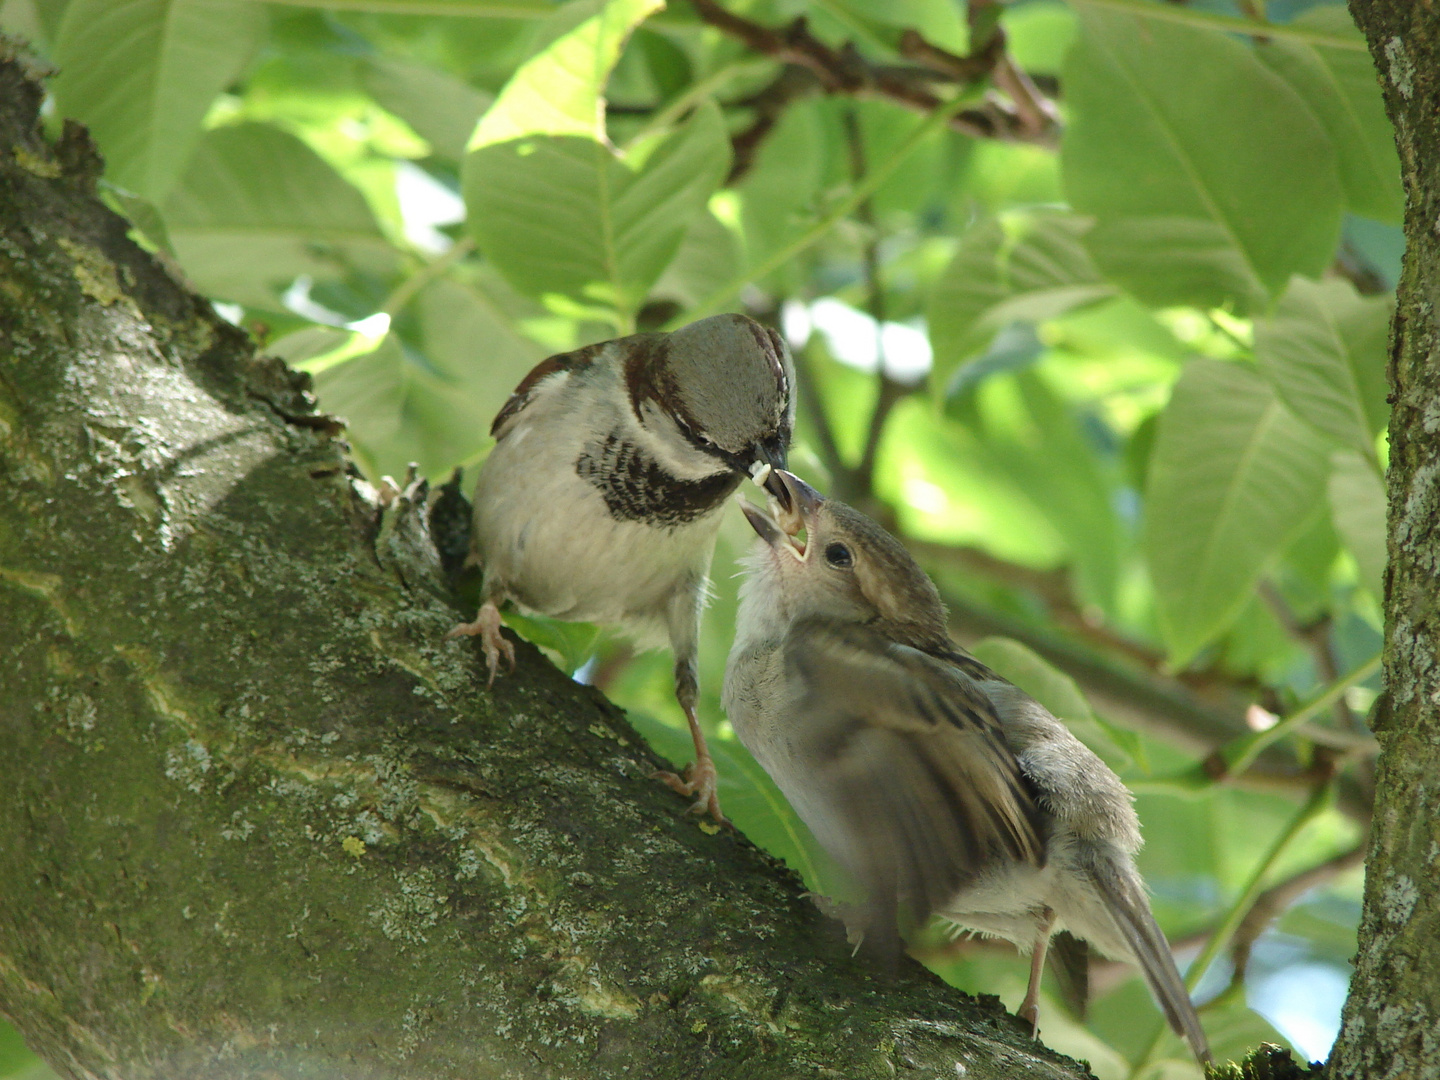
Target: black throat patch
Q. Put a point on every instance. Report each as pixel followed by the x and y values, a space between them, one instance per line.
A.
pixel 636 488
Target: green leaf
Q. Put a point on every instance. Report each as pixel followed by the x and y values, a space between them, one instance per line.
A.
pixel 1022 268
pixel 141 74
pixel 400 409
pixel 558 90
pixel 1341 88
pixel 1234 478
pixel 566 216
pixel 442 109
pixel 258 207
pixel 1357 507
pixel 708 257
pixel 467 330
pixel 1324 350
pixel 1210 180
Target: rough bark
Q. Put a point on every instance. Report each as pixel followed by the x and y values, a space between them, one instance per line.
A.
pixel 258 819
pixel 1391 1024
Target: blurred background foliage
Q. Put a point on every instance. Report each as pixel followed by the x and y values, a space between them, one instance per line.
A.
pixel 1089 300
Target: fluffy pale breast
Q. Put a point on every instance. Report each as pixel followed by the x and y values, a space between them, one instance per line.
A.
pixel 549 538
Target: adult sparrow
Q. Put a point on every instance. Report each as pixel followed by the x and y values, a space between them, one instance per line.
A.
pixel 602 497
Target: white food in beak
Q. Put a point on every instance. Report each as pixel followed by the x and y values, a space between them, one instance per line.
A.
pixel 760 472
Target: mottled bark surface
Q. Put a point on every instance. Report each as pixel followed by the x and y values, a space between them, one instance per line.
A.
pixel 1391 1025
pixel 258 819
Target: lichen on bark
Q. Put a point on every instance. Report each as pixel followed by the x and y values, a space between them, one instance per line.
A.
pixel 1391 1023
pixel 259 818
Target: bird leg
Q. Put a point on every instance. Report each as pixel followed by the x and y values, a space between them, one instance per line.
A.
pixel 700 778
pixel 1030 1008
pixel 487 625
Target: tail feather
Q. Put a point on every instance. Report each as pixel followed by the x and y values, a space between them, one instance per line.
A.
pixel 1125 898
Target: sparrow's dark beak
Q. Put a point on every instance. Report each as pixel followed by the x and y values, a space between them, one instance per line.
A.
pixel 766 458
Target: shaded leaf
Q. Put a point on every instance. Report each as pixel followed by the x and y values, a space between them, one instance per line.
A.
pixel 1210 180
pixel 1025 268
pixel 442 109
pixel 566 216
pixel 1341 87
pixel 1357 506
pixel 399 409
pixel 1234 478
pixel 1055 690
pixel 1324 350
pixel 258 207
pixel 141 74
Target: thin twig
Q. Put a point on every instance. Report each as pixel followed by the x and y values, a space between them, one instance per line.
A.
pixel 812 403
pixel 887 390
pixel 1315 637
pixel 1274 901
pixel 846 71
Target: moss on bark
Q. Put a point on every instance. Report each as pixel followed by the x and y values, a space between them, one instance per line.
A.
pixel 259 819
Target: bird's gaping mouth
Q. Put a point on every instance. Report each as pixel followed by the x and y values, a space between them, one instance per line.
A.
pixel 794 504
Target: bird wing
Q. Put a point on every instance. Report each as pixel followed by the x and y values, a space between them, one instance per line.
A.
pixel 913 786
pixel 545 369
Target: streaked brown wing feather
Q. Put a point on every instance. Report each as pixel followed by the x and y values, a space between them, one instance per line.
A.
pixel 912 767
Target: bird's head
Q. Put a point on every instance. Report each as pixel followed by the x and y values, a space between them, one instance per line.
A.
pixel 817 557
pixel 720 388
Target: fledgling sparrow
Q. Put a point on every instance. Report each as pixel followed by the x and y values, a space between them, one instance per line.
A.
pixel 940 787
pixel 603 495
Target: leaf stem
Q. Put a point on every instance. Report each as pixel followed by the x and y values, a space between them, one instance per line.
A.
pixel 1206 20
pixel 403 293
pixel 1242 752
pixel 858 194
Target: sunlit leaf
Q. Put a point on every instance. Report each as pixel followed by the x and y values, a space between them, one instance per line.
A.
pixel 1210 180
pixel 141 74
pixel 1324 350
pixel 1234 477
pixel 557 91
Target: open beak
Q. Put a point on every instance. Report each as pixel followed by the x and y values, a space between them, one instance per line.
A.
pixel 797 503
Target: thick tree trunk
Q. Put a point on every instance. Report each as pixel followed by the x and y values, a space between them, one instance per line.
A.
pixel 1391 1026
pixel 258 819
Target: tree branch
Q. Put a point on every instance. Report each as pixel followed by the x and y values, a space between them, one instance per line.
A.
pixel 260 819
pixel 847 71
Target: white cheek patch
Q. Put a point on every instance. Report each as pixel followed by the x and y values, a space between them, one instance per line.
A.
pixel 760 472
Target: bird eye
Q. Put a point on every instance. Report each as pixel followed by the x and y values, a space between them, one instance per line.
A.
pixel 838 556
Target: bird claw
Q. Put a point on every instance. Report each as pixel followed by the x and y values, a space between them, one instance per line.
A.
pixel 701 780
pixel 494 644
pixel 1030 1013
